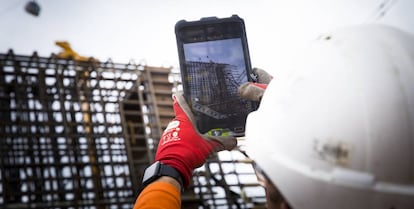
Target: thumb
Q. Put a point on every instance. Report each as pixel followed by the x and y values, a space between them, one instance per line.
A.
pixel 181 109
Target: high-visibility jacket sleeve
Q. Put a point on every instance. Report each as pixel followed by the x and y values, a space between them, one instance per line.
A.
pixel 159 195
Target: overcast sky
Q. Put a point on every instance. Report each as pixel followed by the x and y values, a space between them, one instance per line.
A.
pixel 143 30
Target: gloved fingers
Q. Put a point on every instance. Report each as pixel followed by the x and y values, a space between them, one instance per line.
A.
pixel 252 91
pixel 262 76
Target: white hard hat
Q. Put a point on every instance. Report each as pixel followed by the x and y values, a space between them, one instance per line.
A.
pixel 338 131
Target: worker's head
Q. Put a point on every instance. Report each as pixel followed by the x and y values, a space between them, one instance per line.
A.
pixel 338 130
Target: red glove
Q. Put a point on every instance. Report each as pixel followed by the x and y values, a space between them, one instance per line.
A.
pixel 182 147
pixel 254 91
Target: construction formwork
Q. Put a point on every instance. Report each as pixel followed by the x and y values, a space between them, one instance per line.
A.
pixel 80 134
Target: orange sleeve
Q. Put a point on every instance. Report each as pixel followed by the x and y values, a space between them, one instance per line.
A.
pixel 159 195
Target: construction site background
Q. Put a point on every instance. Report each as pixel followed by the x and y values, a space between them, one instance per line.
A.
pixel 79 134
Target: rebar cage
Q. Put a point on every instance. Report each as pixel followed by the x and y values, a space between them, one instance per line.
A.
pixel 80 134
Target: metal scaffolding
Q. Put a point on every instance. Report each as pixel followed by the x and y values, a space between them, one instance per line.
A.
pixel 79 135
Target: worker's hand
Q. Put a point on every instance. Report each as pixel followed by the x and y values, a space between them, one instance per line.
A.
pixel 254 91
pixel 183 147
